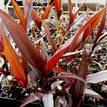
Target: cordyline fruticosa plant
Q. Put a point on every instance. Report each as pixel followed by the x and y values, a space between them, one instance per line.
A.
pixel 34 67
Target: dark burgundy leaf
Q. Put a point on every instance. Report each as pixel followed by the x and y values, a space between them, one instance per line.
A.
pixel 19 36
pixel 19 13
pixel 58 6
pixel 77 89
pixel 37 19
pixel 57 55
pixel 49 37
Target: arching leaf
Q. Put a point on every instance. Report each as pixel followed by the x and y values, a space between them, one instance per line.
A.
pixel 91 93
pixel 57 4
pixel 70 75
pixel 97 77
pixel 19 14
pixel 27 49
pixel 57 55
pixel 16 66
pixel 33 97
pixel 49 37
pixel 47 11
pixel 77 89
pixel 100 30
pixel 37 19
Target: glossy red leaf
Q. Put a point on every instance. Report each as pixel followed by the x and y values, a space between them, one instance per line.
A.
pixel 57 4
pixel 30 53
pixel 24 64
pixel 47 11
pixel 16 66
pixel 100 30
pixel 19 14
pixel 101 27
pixel 57 55
pixel 87 32
pixel 37 19
pixel 49 37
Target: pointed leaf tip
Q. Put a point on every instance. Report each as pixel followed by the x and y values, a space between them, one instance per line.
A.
pixel 19 14
pixel 31 54
pixel 16 66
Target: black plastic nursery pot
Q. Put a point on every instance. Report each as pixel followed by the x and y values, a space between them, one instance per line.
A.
pixel 11 102
pixel 88 105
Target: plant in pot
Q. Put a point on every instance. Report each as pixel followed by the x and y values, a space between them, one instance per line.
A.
pixel 47 66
